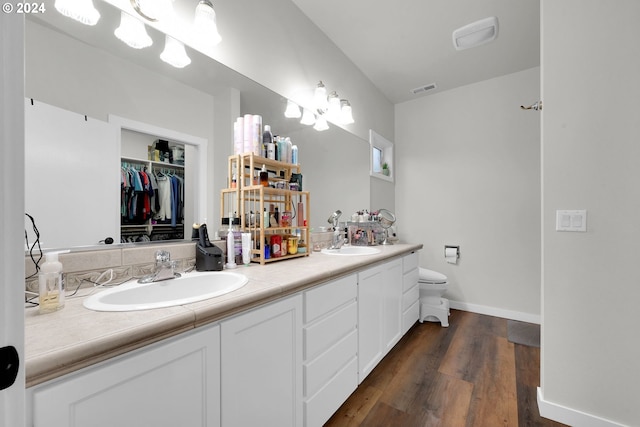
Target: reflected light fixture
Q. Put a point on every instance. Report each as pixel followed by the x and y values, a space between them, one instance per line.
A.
pixel 320 98
pixel 153 10
pixel 80 10
pixel 174 53
pixel 292 111
pixel 132 32
pixel 346 115
pixel 321 123
pixel 307 117
pixel 205 23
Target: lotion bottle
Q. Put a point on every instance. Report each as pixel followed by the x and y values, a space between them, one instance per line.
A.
pixel 51 284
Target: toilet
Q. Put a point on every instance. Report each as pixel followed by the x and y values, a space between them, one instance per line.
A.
pixel 433 308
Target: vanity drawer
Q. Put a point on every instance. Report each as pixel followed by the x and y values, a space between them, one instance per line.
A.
pixel 409 297
pixel 409 262
pixel 320 371
pixel 325 298
pixel 410 316
pixel 321 335
pixel 321 406
pixel 410 279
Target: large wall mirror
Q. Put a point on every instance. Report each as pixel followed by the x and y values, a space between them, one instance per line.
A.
pixel 89 72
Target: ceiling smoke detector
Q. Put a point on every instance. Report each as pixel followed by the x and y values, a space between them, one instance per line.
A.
pixel 424 88
pixel 476 34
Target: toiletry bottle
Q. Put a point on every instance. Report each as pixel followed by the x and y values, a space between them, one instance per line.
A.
pixel 51 284
pixel 267 138
pixel 294 154
pixel 265 218
pixel 288 149
pixel 237 239
pixel 264 176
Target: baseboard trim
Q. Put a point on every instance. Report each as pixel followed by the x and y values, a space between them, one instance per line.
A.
pixel 569 416
pixel 497 312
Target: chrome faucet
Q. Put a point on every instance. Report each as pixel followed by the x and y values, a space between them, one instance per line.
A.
pixel 164 269
pixel 338 236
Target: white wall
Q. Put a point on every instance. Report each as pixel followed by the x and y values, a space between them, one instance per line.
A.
pixel 468 174
pixel 591 153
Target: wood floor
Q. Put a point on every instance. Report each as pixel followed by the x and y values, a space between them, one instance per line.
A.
pixel 468 374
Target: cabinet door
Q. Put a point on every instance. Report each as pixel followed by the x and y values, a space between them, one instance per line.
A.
pixel 262 366
pixel 172 383
pixel 379 317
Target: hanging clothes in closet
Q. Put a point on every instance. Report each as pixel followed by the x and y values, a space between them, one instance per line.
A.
pixel 170 198
pixel 136 194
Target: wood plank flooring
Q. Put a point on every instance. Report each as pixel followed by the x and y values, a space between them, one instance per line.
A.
pixel 468 374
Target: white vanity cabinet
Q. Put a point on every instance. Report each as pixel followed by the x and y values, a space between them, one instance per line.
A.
pixel 261 365
pixel 379 313
pixel 410 291
pixel 175 382
pixel 330 347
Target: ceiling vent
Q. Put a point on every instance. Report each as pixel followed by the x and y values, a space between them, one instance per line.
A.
pixel 424 88
pixel 476 34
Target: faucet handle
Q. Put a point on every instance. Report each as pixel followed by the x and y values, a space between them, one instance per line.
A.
pixel 162 257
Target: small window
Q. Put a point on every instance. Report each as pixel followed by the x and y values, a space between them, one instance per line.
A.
pixel 381 157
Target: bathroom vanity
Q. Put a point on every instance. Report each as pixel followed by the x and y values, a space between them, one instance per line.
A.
pixel 287 349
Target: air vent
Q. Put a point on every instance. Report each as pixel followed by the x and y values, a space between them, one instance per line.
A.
pixel 424 88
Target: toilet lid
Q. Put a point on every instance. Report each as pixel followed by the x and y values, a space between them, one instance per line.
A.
pixel 431 276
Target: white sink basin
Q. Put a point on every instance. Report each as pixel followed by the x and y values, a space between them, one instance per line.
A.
pixel 352 250
pixel 191 287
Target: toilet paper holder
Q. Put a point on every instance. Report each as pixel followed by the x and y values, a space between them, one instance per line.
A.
pixel 457 248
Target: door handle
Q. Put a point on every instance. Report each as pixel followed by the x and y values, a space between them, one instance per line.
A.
pixel 9 364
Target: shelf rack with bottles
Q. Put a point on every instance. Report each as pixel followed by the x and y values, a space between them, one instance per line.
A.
pixel 248 199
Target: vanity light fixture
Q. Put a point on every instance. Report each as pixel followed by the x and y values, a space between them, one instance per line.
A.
pixel 132 32
pixel 205 23
pixel 293 110
pixel 174 53
pixel 346 114
pixel 307 117
pixel 80 10
pixel 321 123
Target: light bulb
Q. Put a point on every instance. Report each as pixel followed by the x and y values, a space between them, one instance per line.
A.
pixel 174 53
pixel 205 23
pixel 320 98
pixel 80 10
pixel 292 111
pixel 346 114
pixel 333 111
pixel 307 117
pixel 132 32
pixel 321 124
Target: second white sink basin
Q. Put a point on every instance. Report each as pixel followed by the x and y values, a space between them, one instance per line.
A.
pixel 352 250
pixel 191 287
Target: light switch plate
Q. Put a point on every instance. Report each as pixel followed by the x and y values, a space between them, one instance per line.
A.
pixel 571 220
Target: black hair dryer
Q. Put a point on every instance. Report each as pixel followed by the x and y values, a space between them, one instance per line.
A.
pixel 209 257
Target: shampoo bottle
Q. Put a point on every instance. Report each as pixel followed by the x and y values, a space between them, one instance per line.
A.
pixel 267 142
pixel 51 284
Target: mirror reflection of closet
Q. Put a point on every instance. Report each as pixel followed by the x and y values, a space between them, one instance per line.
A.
pixel 162 180
pixel 152 196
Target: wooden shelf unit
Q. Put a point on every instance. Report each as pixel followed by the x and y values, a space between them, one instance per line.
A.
pixel 249 197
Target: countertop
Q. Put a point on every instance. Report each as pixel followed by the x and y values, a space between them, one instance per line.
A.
pixel 75 337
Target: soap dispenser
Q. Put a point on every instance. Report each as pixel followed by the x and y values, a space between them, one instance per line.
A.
pixel 51 284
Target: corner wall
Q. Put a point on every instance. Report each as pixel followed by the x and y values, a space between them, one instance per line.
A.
pixel 591 152
pixel 470 176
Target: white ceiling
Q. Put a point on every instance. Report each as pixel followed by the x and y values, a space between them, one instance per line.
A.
pixel 405 44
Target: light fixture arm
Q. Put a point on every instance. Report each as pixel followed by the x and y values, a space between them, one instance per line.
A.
pixel 136 7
